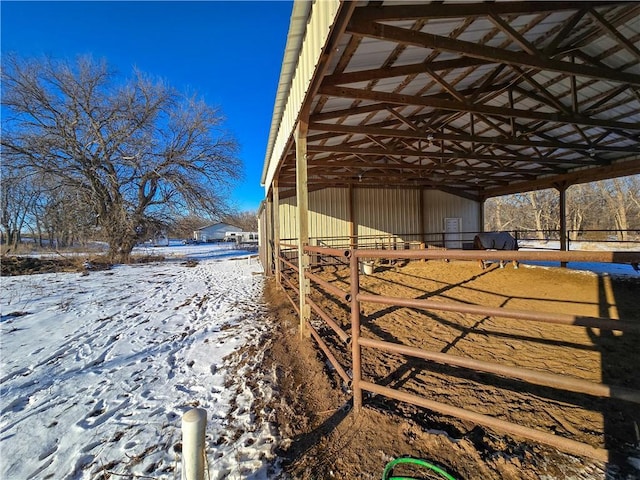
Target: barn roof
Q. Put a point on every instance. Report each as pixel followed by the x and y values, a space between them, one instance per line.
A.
pixel 476 99
pixel 216 225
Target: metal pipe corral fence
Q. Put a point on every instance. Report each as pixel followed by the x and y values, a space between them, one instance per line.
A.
pixel 548 379
pixel 561 443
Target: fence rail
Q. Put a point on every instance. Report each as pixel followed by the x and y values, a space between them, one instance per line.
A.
pixel 465 238
pixel 355 343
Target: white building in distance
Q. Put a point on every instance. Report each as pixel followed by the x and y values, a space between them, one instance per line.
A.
pixel 214 233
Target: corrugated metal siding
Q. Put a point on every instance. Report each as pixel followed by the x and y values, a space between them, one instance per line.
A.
pixel 381 211
pixel 319 26
pixel 329 213
pixel 439 205
pixel 288 218
pixel 263 237
pixel 378 212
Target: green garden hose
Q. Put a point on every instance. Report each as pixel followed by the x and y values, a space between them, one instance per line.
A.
pixel 413 461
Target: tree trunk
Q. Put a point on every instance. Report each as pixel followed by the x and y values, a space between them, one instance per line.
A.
pixel 120 235
pixel 120 246
pixel 498 213
pixel 614 195
pixel 576 224
pixel 537 215
pixel 621 213
pixel 120 250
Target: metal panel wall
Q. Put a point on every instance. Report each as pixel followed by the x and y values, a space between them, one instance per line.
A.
pixel 378 212
pixel 263 234
pixel 328 214
pixel 318 28
pixel 382 211
pixel 439 205
pixel 288 218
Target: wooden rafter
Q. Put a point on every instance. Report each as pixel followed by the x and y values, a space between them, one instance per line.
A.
pixel 402 71
pixel 382 152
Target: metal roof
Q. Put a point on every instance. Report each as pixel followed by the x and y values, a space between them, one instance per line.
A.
pixel 476 99
pixel 297 25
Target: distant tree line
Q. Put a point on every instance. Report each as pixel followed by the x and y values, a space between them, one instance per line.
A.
pixel 88 155
pixel 606 205
pixel 54 218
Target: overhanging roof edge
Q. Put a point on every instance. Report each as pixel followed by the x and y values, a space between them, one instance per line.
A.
pixel 310 27
pixel 295 36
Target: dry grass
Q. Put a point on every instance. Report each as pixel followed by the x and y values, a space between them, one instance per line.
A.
pixel 78 263
pixel 33 248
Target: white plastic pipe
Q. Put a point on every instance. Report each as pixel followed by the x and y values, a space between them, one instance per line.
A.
pixel 194 424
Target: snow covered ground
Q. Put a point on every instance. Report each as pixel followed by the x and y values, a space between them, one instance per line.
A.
pixel 97 370
pixel 611 269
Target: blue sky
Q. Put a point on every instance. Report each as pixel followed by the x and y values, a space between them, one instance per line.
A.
pixel 229 52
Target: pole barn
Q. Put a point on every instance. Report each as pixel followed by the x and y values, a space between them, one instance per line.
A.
pixel 395 121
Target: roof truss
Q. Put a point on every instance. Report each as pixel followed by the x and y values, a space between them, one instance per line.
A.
pixel 477 99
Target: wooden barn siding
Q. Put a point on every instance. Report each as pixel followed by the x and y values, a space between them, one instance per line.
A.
pixel 378 212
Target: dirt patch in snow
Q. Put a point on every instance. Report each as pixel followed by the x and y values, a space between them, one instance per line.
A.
pixel 18 265
pixel 10 265
pixel 325 439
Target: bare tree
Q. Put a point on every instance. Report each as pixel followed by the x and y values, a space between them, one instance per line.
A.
pixel 184 226
pixel 584 208
pixel 618 202
pixel 18 197
pixel 544 208
pixel 62 218
pixel 633 187
pixel 133 150
pixel 605 205
pixel 536 210
pixel 494 217
pixel 247 221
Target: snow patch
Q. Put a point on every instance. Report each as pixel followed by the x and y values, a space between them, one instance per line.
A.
pixel 97 370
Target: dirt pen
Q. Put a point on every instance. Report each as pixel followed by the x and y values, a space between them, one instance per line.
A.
pixel 542 354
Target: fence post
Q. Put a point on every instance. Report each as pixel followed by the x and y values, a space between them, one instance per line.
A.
pixel 194 424
pixel 355 332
